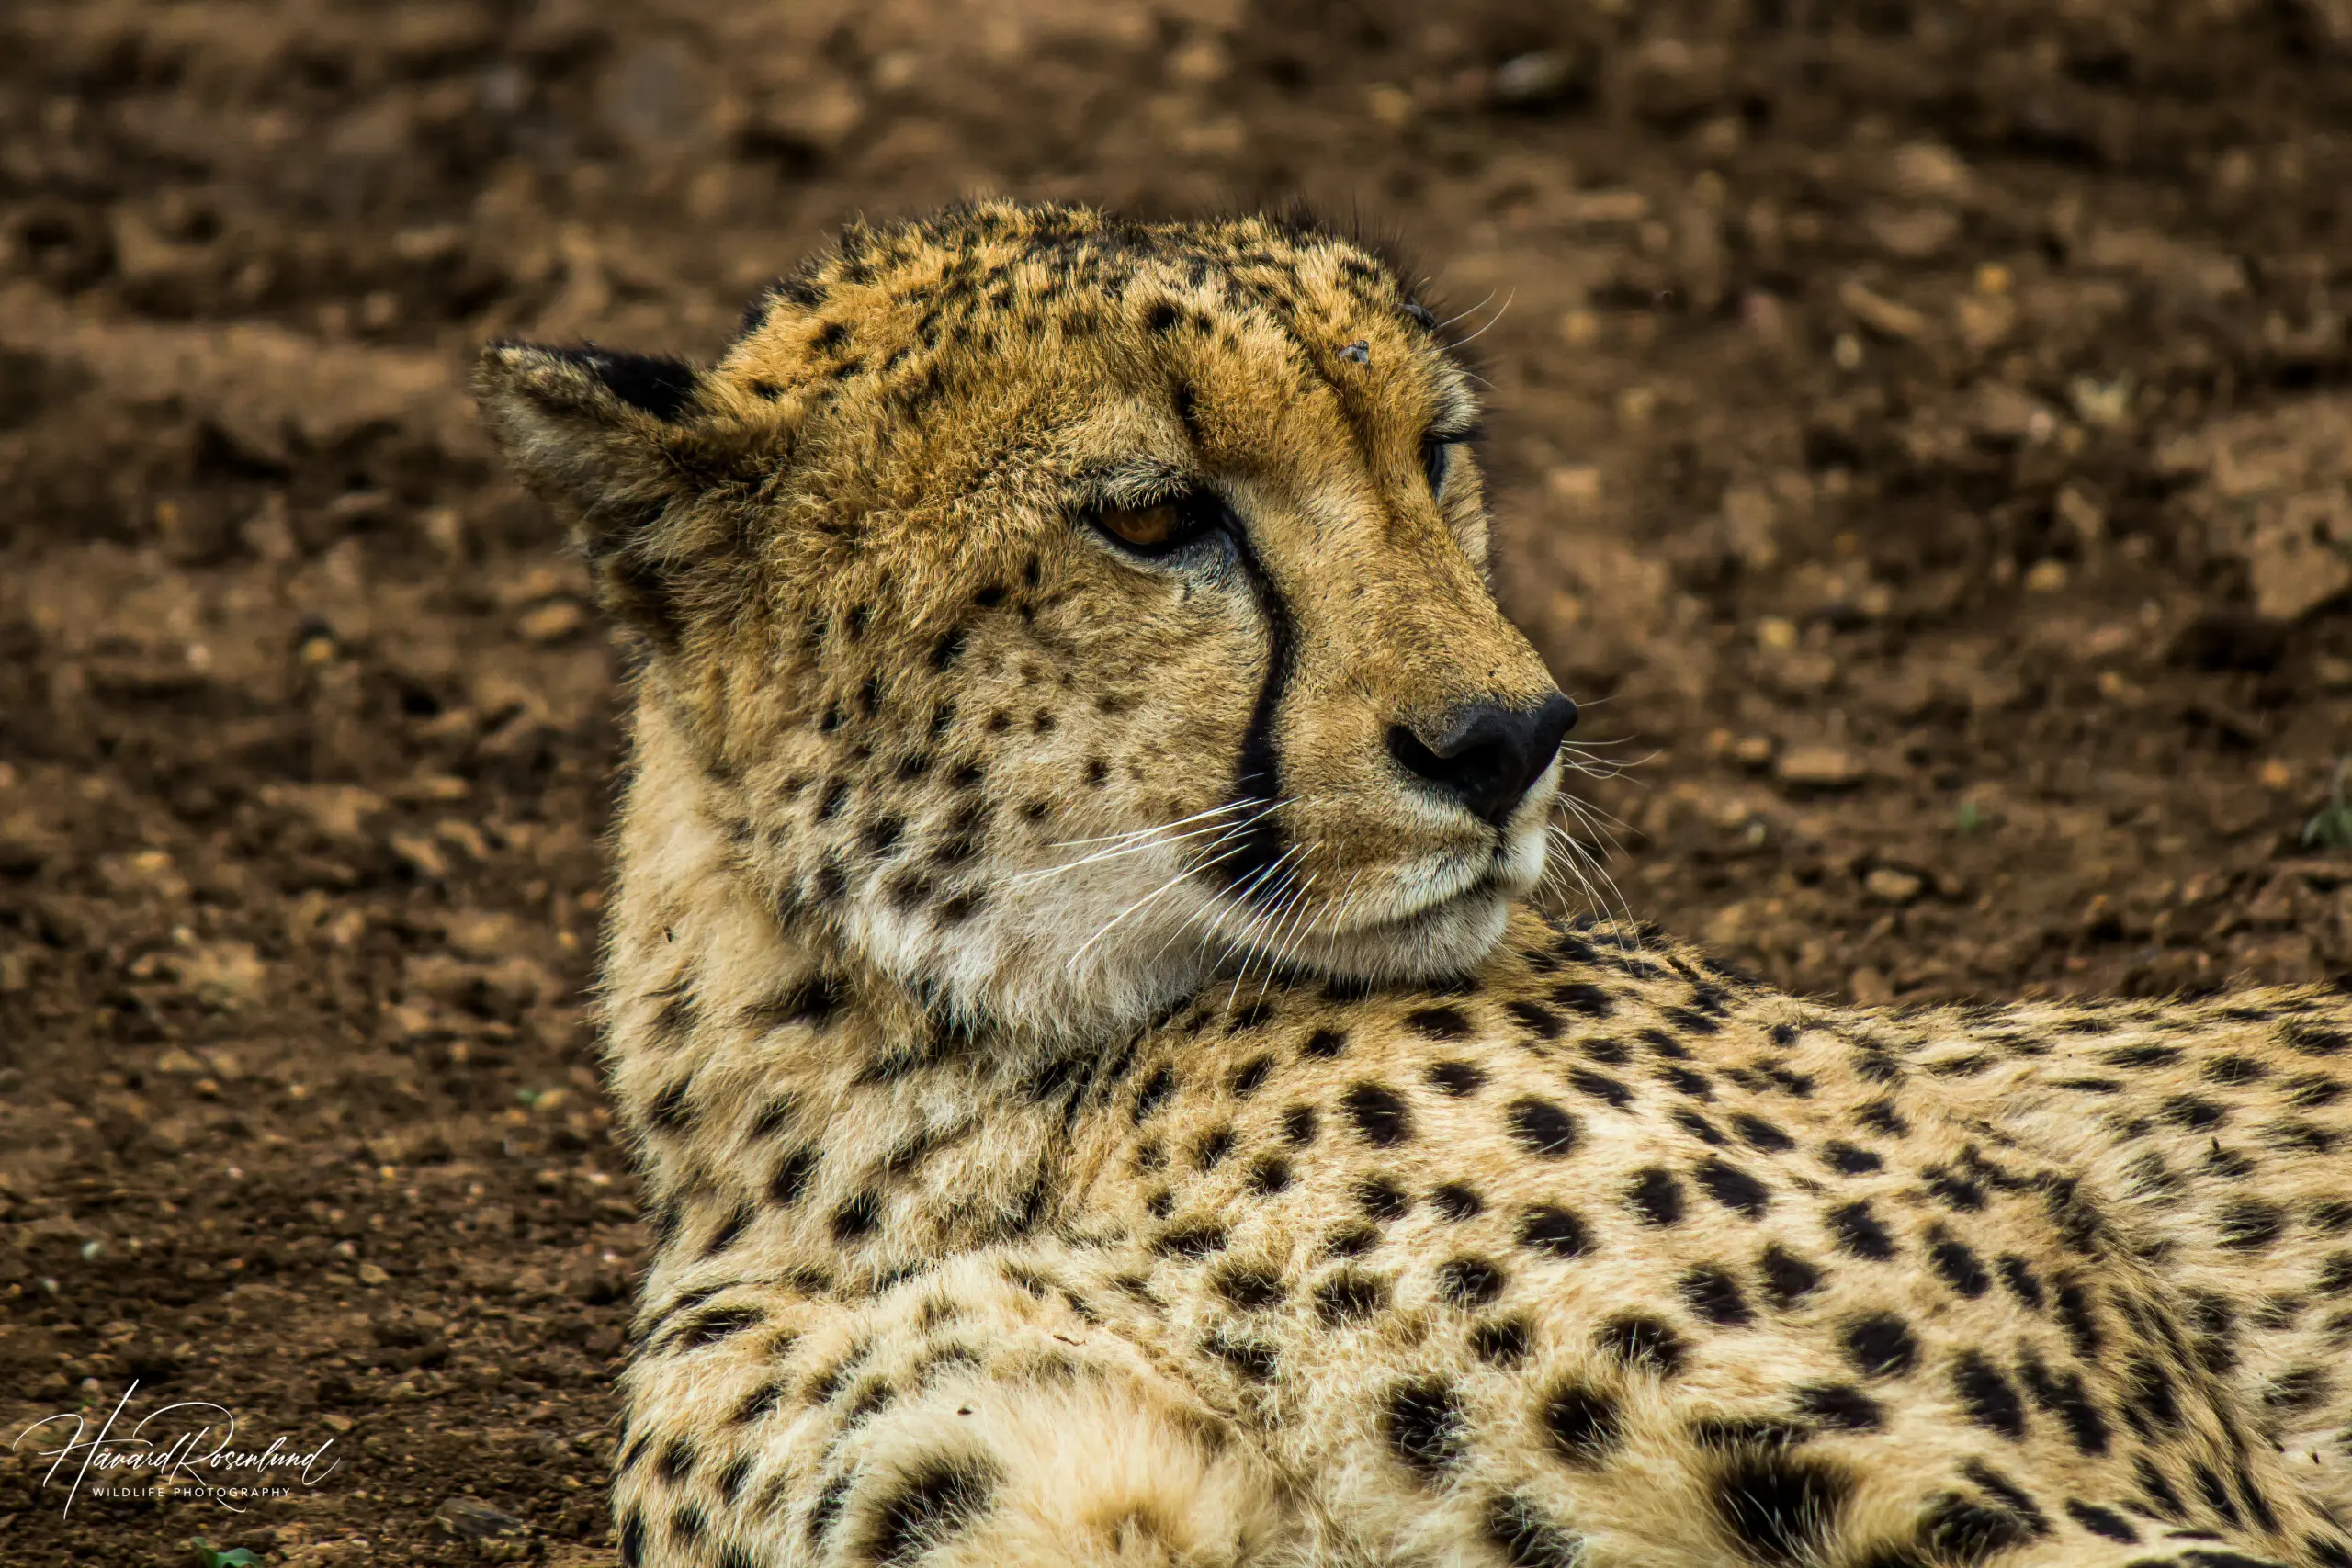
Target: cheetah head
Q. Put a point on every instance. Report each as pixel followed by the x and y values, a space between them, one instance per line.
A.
pixel 1059 611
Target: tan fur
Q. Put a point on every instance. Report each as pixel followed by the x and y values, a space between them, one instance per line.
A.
pixel 1035 1190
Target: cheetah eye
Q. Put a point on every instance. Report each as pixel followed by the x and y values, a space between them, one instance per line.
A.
pixel 1437 455
pixel 1160 529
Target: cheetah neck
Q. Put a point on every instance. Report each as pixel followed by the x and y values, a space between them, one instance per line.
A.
pixel 734 1037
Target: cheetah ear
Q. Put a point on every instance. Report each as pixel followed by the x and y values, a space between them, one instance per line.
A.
pixel 621 444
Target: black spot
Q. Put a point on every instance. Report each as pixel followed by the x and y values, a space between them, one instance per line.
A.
pixel 828 1506
pixel 1657 1196
pixel 2250 1224
pixel 1298 1124
pixel 729 1232
pixel 2159 1489
pixel 1154 1093
pixel 2149 1394
pixel 1716 1296
pixel 1553 1232
pixel 938 1497
pixel 2022 1282
pixel 858 1218
pixel 717 1323
pixel 1469 1281
pixel 1988 1397
pixel 773 1118
pixel 1426 1426
pixel 1600 1086
pixel 1541 1127
pixel 2313 1090
pixel 1212 1148
pixel 1847 1160
pixel 1250 1289
pixel 758 1402
pixel 1255 1361
pixel 1788 1279
pixel 1958 1266
pixel 732 1479
pixel 1642 1341
pixel 792 1174
pixel 1269 1175
pixel 1503 1341
pixel 1841 1405
pixel 1248 1076
pixel 1858 1233
pixel 1881 1116
pixel 1456 1078
pixel 1162 316
pixel 1379 1114
pixel 669 1111
pixel 1190 1241
pixel 633 1539
pixel 678 1461
pixel 1588 1000
pixel 1693 1083
pixel 2328 1551
pixel 1456 1202
pixel 2102 1521
pixel 1699 1127
pixel 1438 1023
pixel 2217 1496
pixel 1325 1044
pixel 1781 1507
pixel 1758 1133
pixel 2189 1111
pixel 1881 1344
pixel 1350 1297
pixel 1584 1423
pixel 1381 1199
pixel 1731 1187
pixel 1964 1529
pixel 1535 1018
pixel 2312 1040
pixel 1352 1241
pixel 2082 1324
pixel 1519 1530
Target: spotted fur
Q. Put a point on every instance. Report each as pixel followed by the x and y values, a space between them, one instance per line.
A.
pixel 1102 1102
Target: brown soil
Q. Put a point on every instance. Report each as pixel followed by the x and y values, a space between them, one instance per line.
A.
pixel 1925 425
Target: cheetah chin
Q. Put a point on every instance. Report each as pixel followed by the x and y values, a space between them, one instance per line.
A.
pixel 1100 1093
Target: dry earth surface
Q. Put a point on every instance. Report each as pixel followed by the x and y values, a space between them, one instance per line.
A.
pixel 1922 436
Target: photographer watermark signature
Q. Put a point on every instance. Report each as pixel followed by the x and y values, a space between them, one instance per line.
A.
pixel 186 1449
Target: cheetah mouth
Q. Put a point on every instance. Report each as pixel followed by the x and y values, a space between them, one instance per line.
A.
pixel 1438 916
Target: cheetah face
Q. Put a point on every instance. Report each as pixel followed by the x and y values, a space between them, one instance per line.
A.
pixel 1063 612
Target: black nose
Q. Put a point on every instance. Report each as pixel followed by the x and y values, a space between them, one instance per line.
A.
pixel 1486 756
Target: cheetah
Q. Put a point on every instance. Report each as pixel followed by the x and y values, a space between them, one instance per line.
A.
pixel 1103 1091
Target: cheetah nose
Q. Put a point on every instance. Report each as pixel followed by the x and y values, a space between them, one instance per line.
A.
pixel 1486 756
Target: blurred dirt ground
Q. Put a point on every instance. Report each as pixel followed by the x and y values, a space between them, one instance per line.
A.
pixel 1922 436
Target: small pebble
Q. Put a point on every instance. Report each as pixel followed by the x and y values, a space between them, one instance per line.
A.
pixel 1525 81
pixel 1821 766
pixel 1889 886
pixel 551 621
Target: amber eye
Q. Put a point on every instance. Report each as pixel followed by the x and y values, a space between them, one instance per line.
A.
pixel 1162 529
pixel 1145 528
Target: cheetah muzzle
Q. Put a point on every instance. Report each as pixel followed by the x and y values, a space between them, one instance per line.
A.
pixel 1103 1095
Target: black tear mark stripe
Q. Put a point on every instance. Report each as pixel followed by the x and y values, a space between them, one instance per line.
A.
pixel 1247 868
